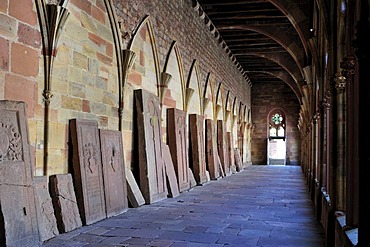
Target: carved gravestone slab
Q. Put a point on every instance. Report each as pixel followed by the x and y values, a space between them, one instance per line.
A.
pixel 115 188
pixel 149 131
pixel 134 194
pixel 197 147
pixel 211 147
pixel 172 185
pixel 64 202
pixel 230 151
pixel 17 198
pixel 238 160
pixel 45 212
pixel 222 147
pixel 177 136
pixel 87 168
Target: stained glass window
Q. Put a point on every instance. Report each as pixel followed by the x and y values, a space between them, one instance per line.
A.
pixel 277 119
pixel 277 125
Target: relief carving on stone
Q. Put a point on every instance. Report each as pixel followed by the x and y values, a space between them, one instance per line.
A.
pixel 90 159
pixel 10 141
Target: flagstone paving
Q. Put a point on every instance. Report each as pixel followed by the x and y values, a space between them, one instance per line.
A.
pixel 266 206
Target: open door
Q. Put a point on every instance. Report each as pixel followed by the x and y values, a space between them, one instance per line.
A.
pixel 276 151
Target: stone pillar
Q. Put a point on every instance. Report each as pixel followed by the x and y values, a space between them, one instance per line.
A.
pixel 352 143
pixel 325 140
pixel 340 169
pixel 317 163
pixel 363 81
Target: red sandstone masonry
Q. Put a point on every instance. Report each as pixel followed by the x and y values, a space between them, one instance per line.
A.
pixel 83 5
pixel 176 20
pixel 98 14
pixel 22 89
pixel 24 60
pixel 29 36
pixel 4 54
pixel 3 6
pixel 23 11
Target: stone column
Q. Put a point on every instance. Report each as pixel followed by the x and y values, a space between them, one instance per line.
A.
pixel 352 143
pixel 340 169
pixel 317 164
pixel 363 56
pixel 325 141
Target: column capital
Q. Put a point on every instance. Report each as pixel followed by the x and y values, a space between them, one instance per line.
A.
pixel 348 65
pixel 340 82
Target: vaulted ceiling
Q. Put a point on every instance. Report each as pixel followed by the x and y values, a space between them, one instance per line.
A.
pixel 267 39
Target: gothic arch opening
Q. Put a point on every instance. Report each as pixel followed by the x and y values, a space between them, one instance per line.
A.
pixel 276 145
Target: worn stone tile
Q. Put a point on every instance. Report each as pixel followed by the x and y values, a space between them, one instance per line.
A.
pixel 203 237
pixel 175 235
pixel 233 211
pixel 113 241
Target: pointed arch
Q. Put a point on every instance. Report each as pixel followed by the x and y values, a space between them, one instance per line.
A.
pixel 193 90
pixel 146 70
pixel 207 97
pixel 219 103
pixel 175 94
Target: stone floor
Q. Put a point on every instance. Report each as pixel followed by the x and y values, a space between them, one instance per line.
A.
pixel 260 206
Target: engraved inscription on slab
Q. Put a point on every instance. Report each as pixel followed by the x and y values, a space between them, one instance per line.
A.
pixel 198 162
pixel 64 202
pixel 87 167
pixel 221 146
pixel 151 167
pixel 17 198
pixel 177 136
pixel 211 149
pixel 115 187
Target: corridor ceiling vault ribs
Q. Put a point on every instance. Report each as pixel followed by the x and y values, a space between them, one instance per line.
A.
pixel 265 38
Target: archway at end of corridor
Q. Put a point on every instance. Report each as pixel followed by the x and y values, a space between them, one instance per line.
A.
pixel 276 145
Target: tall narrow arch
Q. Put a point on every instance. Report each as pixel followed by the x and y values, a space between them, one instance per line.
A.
pixel 146 68
pixel 208 97
pixel 193 94
pixel 276 144
pixel 175 94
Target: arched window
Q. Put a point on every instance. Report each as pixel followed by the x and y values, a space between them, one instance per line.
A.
pixel 277 125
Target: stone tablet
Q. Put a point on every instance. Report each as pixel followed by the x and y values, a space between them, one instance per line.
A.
pixel 230 152
pixel 134 194
pixel 221 146
pixel 17 199
pixel 197 147
pixel 193 182
pixel 211 147
pixel 172 185
pixel 177 136
pixel 115 188
pixel 149 133
pixel 87 168
pixel 45 211
pixel 64 202
pixel 238 160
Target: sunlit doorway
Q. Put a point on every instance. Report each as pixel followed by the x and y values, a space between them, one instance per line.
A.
pixel 276 145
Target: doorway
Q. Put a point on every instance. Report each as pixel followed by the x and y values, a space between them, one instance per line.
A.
pixel 276 151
